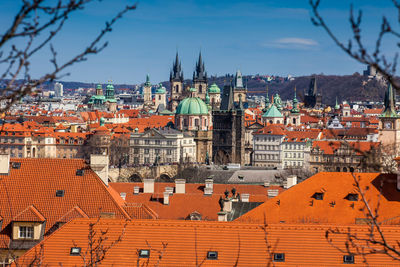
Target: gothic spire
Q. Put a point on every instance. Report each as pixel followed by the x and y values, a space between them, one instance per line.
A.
pixel 200 73
pixel 390 102
pixel 176 72
pixel 295 108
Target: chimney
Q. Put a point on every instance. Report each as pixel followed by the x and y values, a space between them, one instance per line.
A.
pixel 148 185
pixel 180 186
pixel 170 190
pixel 272 193
pixel 222 216
pixel 99 164
pixel 245 197
pixel 227 205
pixel 136 190
pixel 166 198
pixel 123 195
pixel 291 181
pixel 4 163
pixel 208 189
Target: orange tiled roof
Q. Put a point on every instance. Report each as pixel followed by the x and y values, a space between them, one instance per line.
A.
pixel 299 205
pixel 182 205
pixel 35 184
pixel 184 243
pixel 274 129
pixel 30 214
pixel 330 147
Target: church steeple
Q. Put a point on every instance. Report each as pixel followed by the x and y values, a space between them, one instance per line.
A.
pixel 176 73
pixel 267 102
pixel 295 108
pixel 389 102
pixel 200 73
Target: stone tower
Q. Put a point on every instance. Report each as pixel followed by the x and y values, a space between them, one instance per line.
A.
pixel 159 99
pixel 312 98
pixel 176 82
pixel 200 78
pixel 239 91
pixel 229 130
pixel 147 98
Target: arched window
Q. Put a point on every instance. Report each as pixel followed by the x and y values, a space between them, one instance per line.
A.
pixel 338 169
pixel 177 88
pixel 344 169
pixel 196 122
pixel 278 122
pixel 294 120
pixel 200 88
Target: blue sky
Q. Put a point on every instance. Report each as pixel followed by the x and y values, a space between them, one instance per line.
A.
pixel 265 37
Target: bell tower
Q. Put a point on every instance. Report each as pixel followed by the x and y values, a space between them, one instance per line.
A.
pixel 389 123
pixel 200 78
pixel 176 82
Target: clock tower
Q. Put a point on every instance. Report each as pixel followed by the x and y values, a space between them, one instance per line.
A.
pixel 389 122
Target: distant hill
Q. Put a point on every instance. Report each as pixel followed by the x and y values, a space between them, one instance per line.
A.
pixel 349 87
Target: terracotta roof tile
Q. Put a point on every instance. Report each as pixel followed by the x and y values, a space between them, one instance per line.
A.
pixel 30 214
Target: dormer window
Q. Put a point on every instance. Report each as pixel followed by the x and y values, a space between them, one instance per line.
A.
pixel 349 259
pixel 352 197
pixel 318 196
pixel 59 193
pixel 26 232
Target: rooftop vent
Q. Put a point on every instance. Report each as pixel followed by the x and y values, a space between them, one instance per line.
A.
pixel 16 165
pixel 123 195
pixel 59 193
pixel 349 259
pixel 144 253
pixel 318 196
pixel 279 257
pixel 352 197
pixel 212 255
pixel 75 251
pixel 80 172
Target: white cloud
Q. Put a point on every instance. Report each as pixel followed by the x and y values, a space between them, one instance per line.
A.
pixel 292 43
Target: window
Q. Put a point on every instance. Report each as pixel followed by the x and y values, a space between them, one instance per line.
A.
pixel 212 255
pixel 16 165
pixel 318 196
pixel 348 259
pixel 169 143
pixel 59 193
pixel 136 142
pixel 79 172
pixel 75 251
pixel 157 151
pixel 280 257
pixel 136 150
pixel 144 253
pixel 146 151
pixel 158 142
pixel 352 197
pixel 169 152
pixel 25 232
pixel 147 142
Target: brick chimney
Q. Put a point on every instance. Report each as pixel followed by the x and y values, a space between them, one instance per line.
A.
pixel 227 205
pixel 180 185
pixel 4 163
pixel 99 164
pixel 166 198
pixel 148 186
pixel 222 216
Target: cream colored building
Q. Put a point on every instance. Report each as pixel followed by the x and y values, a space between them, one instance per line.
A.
pixel 165 145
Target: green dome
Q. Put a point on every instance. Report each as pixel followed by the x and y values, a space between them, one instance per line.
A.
pixel 192 106
pixel 160 89
pixel 99 86
pixel 272 112
pixel 110 86
pixel 214 89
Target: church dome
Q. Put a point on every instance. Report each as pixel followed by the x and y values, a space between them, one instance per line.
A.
pixel 160 89
pixel 110 86
pixel 214 89
pixel 192 106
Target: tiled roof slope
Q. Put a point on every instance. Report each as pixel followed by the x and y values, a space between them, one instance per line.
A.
pixel 35 184
pixel 182 205
pixel 187 244
pixel 30 214
pixel 299 204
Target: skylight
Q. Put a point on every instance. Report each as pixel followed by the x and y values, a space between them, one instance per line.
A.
pixel 144 253
pixel 212 255
pixel 318 196
pixel 79 172
pixel 75 251
pixel 59 193
pixel 16 165
pixel 349 259
pixel 280 257
pixel 352 197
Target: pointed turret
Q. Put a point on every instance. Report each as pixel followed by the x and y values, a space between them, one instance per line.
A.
pixel 238 80
pixel 227 98
pixel 389 102
pixel 176 73
pixel 295 108
pixel 267 102
pixel 147 83
pixel 200 73
pixel 337 106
